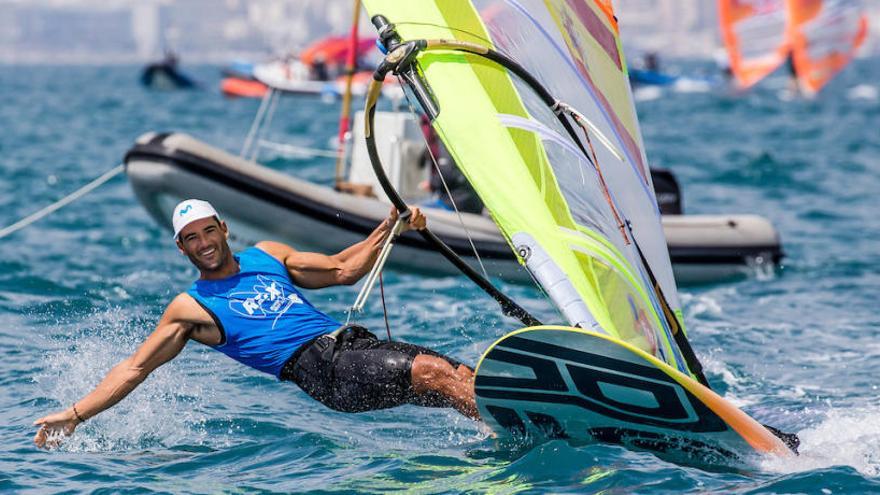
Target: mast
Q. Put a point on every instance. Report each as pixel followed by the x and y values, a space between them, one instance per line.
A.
pixel 350 67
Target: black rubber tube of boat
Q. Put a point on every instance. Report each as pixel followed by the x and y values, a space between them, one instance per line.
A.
pixel 508 306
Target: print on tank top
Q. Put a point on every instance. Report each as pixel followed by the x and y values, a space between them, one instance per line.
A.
pixel 266 299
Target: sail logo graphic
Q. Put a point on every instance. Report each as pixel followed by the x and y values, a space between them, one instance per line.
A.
pixel 186 210
pixel 266 300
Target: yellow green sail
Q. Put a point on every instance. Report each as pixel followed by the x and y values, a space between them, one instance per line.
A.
pixel 589 233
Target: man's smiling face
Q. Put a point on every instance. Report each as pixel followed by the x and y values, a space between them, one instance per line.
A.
pixel 204 242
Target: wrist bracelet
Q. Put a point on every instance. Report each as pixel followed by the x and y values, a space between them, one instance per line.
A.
pixel 81 420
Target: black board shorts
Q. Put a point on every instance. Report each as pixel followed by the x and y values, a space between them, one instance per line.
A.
pixel 357 372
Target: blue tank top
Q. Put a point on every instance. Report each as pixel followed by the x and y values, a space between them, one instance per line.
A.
pixel 261 315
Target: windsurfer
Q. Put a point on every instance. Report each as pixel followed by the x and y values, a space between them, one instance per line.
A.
pixel 248 306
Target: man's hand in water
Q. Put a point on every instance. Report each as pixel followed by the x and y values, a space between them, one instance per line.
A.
pixel 51 426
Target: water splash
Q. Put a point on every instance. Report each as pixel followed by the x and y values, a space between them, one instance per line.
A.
pixel 848 437
pixel 702 306
pixel 863 92
pixel 164 410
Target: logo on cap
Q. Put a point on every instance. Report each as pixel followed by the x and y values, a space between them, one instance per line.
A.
pixel 189 211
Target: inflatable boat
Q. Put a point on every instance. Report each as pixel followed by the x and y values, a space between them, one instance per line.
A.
pixel 261 203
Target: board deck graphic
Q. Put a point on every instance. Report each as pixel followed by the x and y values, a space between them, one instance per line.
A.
pixel 568 383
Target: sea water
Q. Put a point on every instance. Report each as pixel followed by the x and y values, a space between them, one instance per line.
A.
pixel 81 289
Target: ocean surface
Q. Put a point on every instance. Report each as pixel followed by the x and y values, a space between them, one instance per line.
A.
pixel 798 348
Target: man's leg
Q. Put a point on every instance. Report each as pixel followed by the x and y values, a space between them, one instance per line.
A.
pixel 431 374
pixel 371 374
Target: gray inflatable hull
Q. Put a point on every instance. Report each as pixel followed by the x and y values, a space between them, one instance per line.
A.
pixel 259 203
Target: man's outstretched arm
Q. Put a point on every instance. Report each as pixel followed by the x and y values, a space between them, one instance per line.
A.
pixel 315 270
pixel 161 346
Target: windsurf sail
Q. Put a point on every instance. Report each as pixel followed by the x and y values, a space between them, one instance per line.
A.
pixel 576 205
pixel 755 36
pixel 825 35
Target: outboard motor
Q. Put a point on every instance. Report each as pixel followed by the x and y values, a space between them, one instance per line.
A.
pixel 667 191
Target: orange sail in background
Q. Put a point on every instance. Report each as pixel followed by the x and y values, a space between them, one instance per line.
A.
pixel 755 36
pixel 825 35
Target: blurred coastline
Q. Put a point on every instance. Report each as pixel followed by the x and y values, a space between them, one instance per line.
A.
pixel 216 31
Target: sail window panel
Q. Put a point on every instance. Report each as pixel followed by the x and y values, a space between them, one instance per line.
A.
pixel 577 68
pixel 629 314
pixel 586 241
pixel 571 47
pixel 576 196
pixel 580 187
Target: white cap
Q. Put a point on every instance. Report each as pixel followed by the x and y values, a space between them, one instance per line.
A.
pixel 190 210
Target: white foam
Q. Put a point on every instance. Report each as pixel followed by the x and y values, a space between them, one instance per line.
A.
pixel 787 94
pixel 702 305
pixel 735 384
pixel 686 85
pixel 846 437
pixel 647 93
pixel 763 269
pixel 864 92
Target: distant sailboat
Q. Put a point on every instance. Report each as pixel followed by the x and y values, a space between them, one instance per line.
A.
pixel 166 74
pixel 754 33
pixel 818 37
pixel 319 68
pixel 825 36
